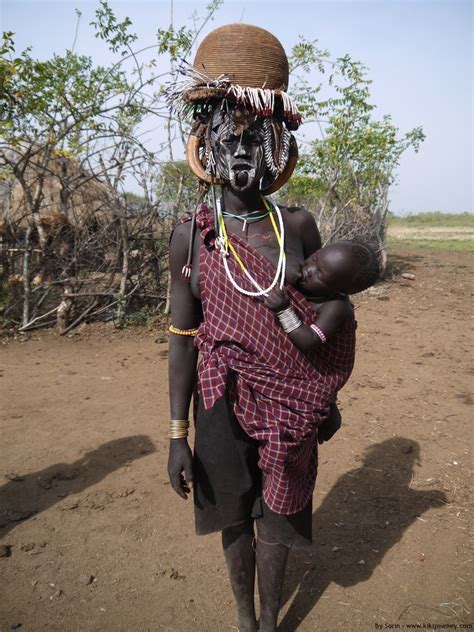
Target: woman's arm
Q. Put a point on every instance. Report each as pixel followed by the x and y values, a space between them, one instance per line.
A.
pixel 185 314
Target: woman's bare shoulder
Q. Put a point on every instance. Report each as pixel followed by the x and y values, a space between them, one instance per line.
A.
pixel 180 234
pixel 303 223
pixel 298 216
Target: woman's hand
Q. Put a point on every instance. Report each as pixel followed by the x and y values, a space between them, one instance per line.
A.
pixel 332 424
pixel 277 299
pixel 180 459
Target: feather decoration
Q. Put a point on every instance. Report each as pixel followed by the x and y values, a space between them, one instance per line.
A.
pixel 183 93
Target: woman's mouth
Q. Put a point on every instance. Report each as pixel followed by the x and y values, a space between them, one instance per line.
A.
pixel 241 166
pixel 242 173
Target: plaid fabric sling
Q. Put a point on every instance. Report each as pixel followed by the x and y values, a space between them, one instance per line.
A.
pixel 279 394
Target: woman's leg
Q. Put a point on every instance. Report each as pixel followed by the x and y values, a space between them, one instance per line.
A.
pixel 239 553
pixel 271 564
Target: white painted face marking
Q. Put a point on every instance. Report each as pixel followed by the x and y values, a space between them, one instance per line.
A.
pixel 240 161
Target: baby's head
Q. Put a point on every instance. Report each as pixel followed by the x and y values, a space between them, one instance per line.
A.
pixel 346 266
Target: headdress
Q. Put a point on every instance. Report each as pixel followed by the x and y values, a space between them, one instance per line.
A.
pixel 243 68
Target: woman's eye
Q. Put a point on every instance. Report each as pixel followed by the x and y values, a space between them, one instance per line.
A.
pixel 228 140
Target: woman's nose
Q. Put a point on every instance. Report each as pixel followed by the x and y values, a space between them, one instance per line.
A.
pixel 241 150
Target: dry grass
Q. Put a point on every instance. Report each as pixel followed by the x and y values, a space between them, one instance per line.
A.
pixel 433 231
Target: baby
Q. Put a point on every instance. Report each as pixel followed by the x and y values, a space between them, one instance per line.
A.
pixel 327 278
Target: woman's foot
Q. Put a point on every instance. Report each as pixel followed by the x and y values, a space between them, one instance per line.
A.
pixel 247 622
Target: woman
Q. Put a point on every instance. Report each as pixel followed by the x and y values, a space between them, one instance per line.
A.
pixel 256 413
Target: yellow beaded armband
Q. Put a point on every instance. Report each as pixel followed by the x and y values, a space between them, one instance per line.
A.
pixel 182 332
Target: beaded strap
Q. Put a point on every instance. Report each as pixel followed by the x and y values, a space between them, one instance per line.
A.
pixel 319 332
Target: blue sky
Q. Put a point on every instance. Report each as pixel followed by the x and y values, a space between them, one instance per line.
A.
pixel 419 55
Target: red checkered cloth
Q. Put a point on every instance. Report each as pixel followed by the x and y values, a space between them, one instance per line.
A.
pixel 279 394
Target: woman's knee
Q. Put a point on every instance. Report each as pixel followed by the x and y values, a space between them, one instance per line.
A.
pixel 264 533
pixel 233 533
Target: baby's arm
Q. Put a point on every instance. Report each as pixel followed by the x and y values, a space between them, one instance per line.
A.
pixel 330 317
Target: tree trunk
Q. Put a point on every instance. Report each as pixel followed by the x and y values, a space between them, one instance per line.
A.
pixel 168 296
pixel 123 281
pixel 178 198
pixel 26 277
pixel 175 216
pixel 64 310
pixel 37 201
pixel 381 219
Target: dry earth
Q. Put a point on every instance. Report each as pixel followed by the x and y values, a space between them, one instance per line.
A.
pixel 97 541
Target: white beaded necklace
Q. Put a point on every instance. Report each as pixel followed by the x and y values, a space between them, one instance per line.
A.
pixel 224 244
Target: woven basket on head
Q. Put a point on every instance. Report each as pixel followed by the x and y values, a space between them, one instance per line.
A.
pixel 243 64
pixel 250 56
pixel 246 65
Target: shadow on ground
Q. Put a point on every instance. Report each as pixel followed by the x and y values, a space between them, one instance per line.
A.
pixel 361 518
pixel 29 494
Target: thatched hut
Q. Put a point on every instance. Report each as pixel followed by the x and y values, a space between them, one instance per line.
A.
pixel 69 194
pixel 68 242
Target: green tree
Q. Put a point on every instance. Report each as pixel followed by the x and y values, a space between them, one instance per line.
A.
pixel 345 173
pixel 68 120
pixel 177 188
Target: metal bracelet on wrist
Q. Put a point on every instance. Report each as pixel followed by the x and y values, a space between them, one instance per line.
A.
pixel 289 319
pixel 178 429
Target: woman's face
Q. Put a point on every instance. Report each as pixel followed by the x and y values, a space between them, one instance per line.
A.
pixel 240 161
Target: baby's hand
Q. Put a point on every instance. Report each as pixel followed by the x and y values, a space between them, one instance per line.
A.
pixel 277 300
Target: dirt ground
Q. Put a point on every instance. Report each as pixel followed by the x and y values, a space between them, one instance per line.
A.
pixel 97 541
